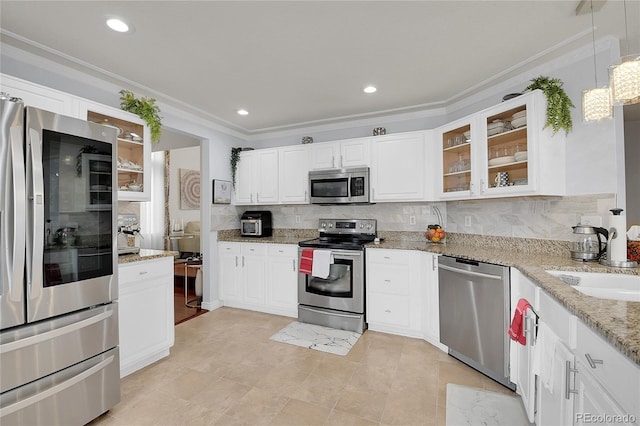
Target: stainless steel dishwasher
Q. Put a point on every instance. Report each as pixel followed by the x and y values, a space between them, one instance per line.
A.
pixel 474 315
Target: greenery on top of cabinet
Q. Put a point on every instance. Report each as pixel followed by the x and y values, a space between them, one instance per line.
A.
pixel 146 109
pixel 558 103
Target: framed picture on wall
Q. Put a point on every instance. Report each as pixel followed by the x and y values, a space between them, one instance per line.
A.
pixel 221 192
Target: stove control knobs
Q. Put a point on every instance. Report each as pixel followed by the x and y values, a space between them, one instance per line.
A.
pixel 331 225
pixel 323 225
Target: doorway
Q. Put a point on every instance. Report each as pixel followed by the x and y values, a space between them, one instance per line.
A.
pixel 172 218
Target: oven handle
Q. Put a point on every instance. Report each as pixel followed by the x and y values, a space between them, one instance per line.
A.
pixel 333 313
pixel 347 253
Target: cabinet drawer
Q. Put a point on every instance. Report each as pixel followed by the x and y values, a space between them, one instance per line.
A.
pixel 254 249
pixel 558 318
pixel 389 279
pixel 618 375
pixel 386 257
pixel 287 250
pixel 146 269
pixel 229 248
pixel 388 309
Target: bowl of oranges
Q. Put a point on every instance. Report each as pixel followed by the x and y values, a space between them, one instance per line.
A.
pixel 435 234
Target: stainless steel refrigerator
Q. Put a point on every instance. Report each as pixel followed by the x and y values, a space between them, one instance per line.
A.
pixel 59 360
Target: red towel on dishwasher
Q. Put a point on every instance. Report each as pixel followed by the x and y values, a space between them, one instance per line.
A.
pixel 516 331
pixel 306 261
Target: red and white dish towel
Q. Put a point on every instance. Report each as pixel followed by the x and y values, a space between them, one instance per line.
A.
pixel 516 331
pixel 316 263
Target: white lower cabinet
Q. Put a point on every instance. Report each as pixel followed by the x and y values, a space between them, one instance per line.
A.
pixel 521 356
pixel 555 407
pixel 584 380
pixel 607 383
pixel 430 299
pixel 146 312
pixel 282 279
pixel 393 291
pixel 260 277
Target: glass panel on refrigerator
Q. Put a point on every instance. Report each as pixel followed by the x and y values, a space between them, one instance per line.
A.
pixel 78 242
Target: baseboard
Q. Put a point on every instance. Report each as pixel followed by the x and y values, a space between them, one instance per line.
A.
pixel 210 306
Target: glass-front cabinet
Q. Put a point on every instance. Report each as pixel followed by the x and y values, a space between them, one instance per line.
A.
pixel 502 151
pixel 133 151
pixel 455 145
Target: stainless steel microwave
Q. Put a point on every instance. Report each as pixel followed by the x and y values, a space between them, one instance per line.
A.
pixel 256 224
pixel 339 186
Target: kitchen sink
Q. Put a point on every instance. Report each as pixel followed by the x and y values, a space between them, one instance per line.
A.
pixel 604 286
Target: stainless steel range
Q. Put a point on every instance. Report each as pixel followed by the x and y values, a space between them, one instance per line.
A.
pixel 335 296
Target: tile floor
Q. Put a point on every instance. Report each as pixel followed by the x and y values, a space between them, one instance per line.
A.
pixel 224 370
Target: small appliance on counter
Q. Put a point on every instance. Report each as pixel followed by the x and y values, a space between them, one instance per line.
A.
pixel 128 233
pixel 588 242
pixel 617 242
pixel 256 224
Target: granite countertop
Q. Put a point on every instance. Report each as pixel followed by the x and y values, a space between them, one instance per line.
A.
pixel 145 254
pixel 617 321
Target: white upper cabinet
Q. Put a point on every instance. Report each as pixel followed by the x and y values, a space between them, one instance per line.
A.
pixel 399 167
pixel 501 151
pixel 39 96
pixel 340 154
pixel 257 177
pixel 134 149
pixel 293 174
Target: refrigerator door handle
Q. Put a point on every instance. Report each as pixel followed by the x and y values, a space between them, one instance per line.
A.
pixel 35 244
pixel 15 249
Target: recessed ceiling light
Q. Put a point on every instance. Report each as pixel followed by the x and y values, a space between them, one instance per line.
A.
pixel 370 89
pixel 117 25
pixel 243 112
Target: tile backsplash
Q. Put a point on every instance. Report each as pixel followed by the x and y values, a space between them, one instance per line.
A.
pixel 522 217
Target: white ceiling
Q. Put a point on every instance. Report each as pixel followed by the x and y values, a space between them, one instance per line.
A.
pixel 294 63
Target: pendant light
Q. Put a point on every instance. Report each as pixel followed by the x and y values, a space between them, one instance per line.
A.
pixel 625 76
pixel 596 103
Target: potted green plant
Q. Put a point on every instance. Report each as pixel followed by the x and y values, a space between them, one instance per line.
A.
pixel 558 103
pixel 146 109
pixel 235 158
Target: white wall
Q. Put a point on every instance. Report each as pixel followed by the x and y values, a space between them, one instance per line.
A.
pixel 184 158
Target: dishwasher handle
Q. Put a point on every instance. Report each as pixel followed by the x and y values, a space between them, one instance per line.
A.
pixel 475 274
pixel 467 261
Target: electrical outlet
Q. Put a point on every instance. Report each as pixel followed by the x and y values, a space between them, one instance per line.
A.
pixel 412 220
pixel 467 221
pixel 591 220
pixel 297 218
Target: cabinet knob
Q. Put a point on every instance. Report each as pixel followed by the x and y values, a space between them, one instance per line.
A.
pixel 387 257
pixel 143 272
pixel 388 311
pixel 387 281
pixel 592 362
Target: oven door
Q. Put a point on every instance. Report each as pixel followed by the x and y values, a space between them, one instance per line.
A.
pixel 342 290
